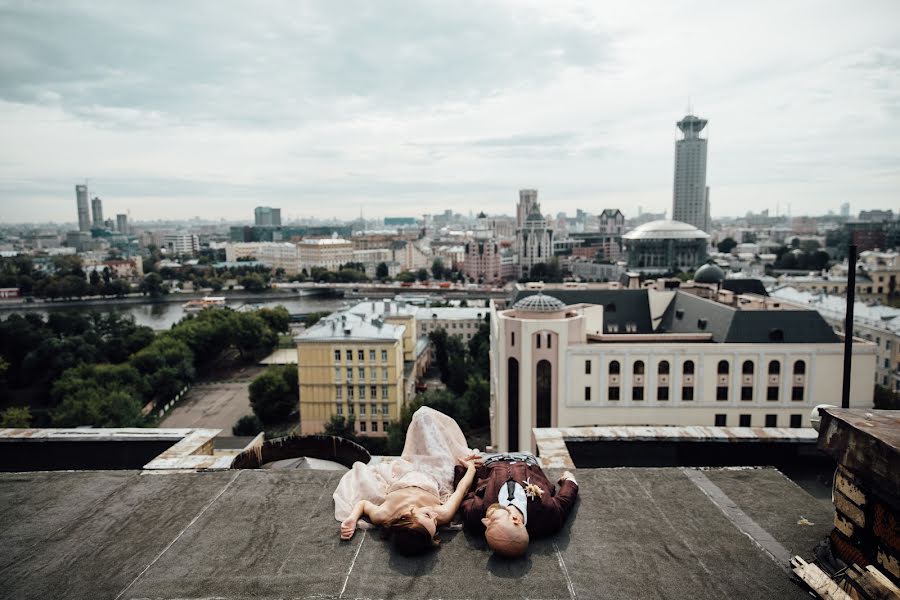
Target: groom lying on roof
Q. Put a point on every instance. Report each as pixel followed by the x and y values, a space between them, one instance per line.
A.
pixel 511 498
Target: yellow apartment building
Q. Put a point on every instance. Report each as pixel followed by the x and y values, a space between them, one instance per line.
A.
pixel 352 365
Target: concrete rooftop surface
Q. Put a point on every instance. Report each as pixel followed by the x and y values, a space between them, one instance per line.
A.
pixel 634 533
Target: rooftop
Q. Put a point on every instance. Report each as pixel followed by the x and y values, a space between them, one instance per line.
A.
pixel 634 533
pixel 835 307
pixel 449 313
pixel 346 325
pixel 665 229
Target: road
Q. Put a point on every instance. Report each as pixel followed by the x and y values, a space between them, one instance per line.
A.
pixel 215 404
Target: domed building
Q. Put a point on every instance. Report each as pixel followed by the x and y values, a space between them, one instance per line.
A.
pixel 665 245
pixel 710 273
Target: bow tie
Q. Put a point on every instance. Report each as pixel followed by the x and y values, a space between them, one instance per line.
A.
pixel 511 490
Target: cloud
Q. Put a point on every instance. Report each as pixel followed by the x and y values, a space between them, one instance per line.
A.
pixel 412 107
pixel 277 63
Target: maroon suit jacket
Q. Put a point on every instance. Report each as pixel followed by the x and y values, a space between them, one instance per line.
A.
pixel 546 514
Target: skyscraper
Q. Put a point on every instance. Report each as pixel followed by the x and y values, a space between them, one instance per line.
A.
pixel 691 195
pixel 266 216
pixel 97 212
pixel 84 215
pixel 122 223
pixel 528 203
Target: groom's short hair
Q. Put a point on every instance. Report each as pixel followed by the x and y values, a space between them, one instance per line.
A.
pixel 507 541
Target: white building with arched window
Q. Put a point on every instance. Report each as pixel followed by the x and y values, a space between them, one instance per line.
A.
pixel 572 358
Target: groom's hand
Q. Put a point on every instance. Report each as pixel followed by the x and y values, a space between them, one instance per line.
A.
pixel 567 475
pixel 348 527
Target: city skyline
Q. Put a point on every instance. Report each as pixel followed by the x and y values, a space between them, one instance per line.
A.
pixel 443 106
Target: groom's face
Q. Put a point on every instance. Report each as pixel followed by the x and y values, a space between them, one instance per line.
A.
pixel 505 530
pixel 497 514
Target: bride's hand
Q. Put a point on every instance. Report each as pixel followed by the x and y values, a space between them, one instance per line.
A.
pixel 348 527
pixel 471 461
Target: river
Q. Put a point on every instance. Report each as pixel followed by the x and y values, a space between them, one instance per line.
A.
pixel 162 315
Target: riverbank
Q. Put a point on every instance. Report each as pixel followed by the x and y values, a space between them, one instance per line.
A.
pixel 271 295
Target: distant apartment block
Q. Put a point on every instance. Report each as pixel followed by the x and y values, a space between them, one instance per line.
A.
pixel 180 244
pixel 324 253
pixel 361 364
pixel 568 358
pixel 275 255
pixel 122 224
pixel 460 322
pixel 265 216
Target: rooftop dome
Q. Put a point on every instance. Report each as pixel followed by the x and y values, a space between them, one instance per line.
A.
pixel 665 230
pixel 539 303
pixel 709 273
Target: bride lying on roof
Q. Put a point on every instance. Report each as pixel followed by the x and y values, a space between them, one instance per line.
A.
pixel 411 496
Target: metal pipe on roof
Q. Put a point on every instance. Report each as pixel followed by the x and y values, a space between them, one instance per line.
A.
pixel 848 323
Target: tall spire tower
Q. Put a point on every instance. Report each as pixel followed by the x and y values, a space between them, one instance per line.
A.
pixel 690 200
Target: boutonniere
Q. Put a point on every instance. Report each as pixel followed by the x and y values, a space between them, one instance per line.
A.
pixel 532 491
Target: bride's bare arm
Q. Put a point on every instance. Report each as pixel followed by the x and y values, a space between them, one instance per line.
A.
pixel 447 510
pixel 375 513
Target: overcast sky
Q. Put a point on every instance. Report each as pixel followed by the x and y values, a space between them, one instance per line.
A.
pixel 177 109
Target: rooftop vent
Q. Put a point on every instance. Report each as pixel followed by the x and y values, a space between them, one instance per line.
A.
pixel 611 307
pixel 701 323
pixel 776 335
pixel 679 313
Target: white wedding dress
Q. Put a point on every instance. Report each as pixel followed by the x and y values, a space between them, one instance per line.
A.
pixel 434 442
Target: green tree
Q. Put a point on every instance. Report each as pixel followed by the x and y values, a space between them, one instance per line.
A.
pixel 407 277
pixel 252 283
pixel 153 285
pixel 252 336
pixel 886 399
pixel 278 318
pixel 273 394
pixel 478 400
pixel 438 339
pixel 422 275
pixel 88 406
pixel 437 268
pixel 341 427
pixel 247 425
pixel 726 245
pixel 15 417
pixel 381 271
pixel 457 365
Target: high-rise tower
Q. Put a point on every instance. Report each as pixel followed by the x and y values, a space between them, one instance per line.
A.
pixel 528 203
pixel 266 216
pixel 84 215
pixel 97 212
pixel 690 202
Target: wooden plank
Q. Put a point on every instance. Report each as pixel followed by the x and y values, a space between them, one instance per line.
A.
pixel 870 585
pixel 843 524
pixel 882 578
pixel 845 484
pixel 849 510
pixel 888 562
pixel 816 579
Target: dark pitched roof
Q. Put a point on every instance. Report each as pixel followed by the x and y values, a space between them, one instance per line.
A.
pixel 622 307
pixel 691 314
pixel 744 286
